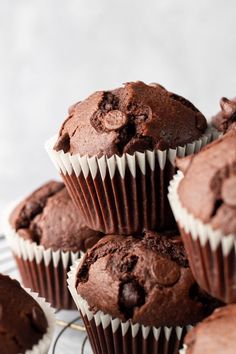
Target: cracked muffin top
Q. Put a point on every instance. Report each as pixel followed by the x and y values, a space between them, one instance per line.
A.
pixel 49 218
pixel 227 116
pixel 22 321
pixel 208 189
pixel 216 334
pixel 135 117
pixel 146 279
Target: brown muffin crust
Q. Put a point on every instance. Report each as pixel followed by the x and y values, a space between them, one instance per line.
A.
pixel 216 334
pixel 49 218
pixel 146 279
pixel 208 189
pixel 22 321
pixel 136 117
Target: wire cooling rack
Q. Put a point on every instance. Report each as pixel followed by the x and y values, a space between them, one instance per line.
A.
pixel 70 335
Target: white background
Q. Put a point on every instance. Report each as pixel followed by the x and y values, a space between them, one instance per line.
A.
pixel 56 52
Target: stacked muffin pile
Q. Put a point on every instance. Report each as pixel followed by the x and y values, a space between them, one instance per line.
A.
pixel 135 290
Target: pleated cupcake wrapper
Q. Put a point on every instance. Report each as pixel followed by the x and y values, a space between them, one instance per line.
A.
pixel 212 255
pixel 112 336
pixel 43 345
pixel 123 194
pixel 42 270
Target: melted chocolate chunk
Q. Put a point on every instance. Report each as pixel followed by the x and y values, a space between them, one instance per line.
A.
pixel 131 295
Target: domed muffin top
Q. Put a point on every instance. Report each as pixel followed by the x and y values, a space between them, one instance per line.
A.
pixel 22 321
pixel 208 189
pixel 146 279
pixel 136 117
pixel 216 334
pixel 49 218
pixel 227 116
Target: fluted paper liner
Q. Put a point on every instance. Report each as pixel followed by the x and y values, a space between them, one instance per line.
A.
pixel 112 336
pixel 123 194
pixel 44 343
pixel 212 255
pixel 42 270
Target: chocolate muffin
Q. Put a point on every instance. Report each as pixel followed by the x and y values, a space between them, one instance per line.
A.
pixel 146 279
pixel 136 117
pixel 144 282
pixel 216 334
pixel 22 321
pixel 49 218
pixel 203 200
pixel 227 116
pixel 208 189
pixel 46 234
pixel 116 150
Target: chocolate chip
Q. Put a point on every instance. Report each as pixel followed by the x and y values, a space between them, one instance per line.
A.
pixel 38 319
pixel 166 272
pixel 228 106
pixel 63 143
pixel 115 119
pixel 228 191
pixel 132 295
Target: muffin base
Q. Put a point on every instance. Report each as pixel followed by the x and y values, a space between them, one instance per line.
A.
pixel 42 270
pixel 123 194
pixel 112 336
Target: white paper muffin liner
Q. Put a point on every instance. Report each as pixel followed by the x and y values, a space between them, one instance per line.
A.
pixel 43 270
pixel 102 188
pixel 127 331
pixel 211 253
pixel 67 163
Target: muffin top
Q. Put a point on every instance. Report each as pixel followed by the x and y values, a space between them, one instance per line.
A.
pixel 49 218
pixel 227 116
pixel 22 321
pixel 146 279
pixel 208 189
pixel 136 117
pixel 216 334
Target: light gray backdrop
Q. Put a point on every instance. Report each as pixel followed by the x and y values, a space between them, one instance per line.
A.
pixel 55 52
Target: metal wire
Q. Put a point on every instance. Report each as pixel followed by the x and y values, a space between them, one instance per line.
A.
pixel 83 345
pixel 61 332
